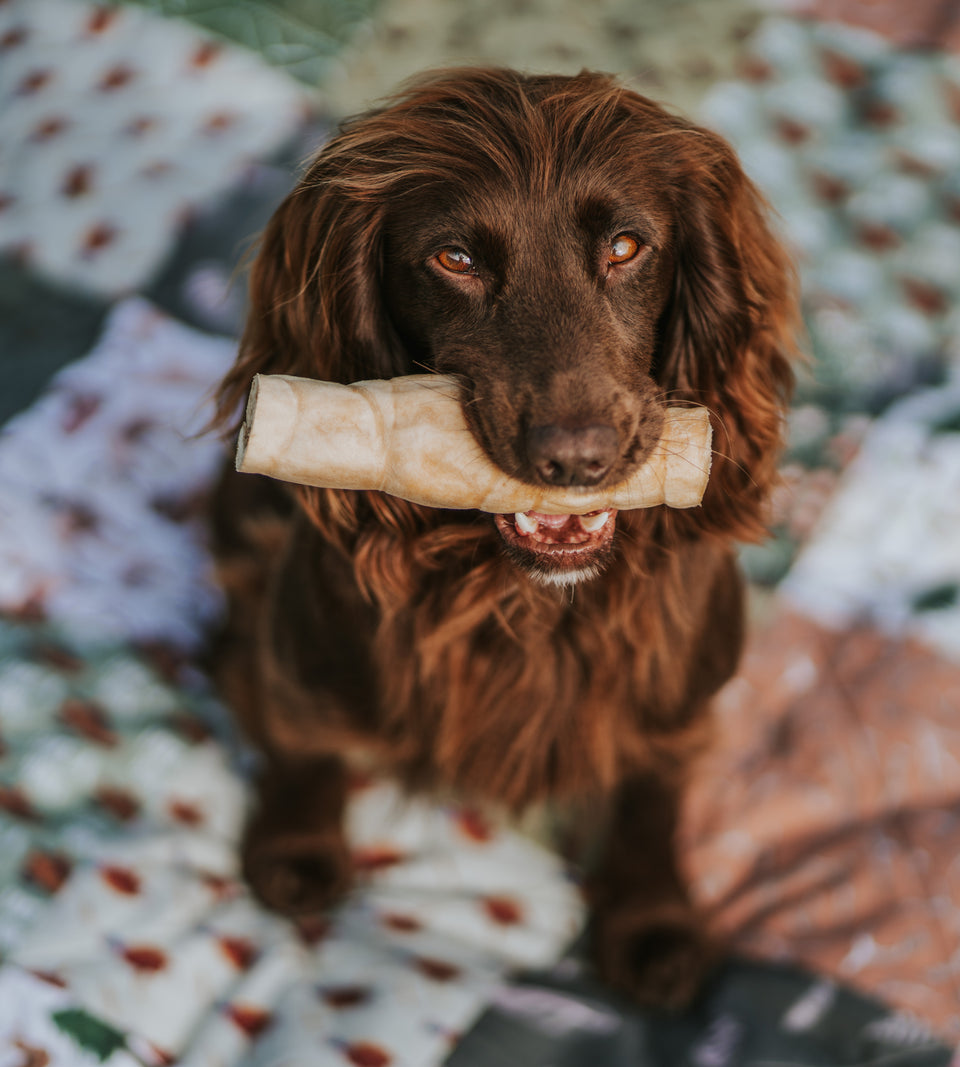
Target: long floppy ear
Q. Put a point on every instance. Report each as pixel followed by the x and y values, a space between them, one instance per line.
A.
pixel 730 331
pixel 316 309
pixel 315 306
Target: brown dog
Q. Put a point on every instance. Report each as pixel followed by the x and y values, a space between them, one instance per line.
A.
pixel 580 258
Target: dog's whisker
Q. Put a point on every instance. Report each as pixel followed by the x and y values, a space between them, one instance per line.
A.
pixel 727 458
pixel 680 455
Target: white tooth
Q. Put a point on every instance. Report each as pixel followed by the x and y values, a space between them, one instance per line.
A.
pixel 525 523
pixel 592 523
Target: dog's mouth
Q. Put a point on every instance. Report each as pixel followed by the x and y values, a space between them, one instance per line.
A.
pixel 559 549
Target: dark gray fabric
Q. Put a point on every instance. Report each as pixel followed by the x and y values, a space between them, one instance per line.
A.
pixel 41 329
pixel 753 1015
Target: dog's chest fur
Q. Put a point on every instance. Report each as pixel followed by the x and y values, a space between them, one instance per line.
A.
pixel 472 677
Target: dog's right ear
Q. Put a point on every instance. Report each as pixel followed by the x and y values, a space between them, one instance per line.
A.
pixel 315 304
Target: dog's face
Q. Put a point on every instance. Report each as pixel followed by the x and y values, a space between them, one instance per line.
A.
pixel 546 298
pixel 577 254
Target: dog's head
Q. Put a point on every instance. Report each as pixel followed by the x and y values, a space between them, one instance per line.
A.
pixel 577 255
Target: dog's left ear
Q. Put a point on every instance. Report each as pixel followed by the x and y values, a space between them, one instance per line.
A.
pixel 730 329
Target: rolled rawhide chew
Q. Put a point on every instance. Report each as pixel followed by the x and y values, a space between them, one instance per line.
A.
pixel 408 437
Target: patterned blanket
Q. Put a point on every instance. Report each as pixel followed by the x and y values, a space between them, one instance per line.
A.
pixel 825 828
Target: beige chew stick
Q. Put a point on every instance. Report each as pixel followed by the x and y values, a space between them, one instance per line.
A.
pixel 408 437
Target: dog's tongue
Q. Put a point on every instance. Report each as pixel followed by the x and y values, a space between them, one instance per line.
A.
pixel 552 522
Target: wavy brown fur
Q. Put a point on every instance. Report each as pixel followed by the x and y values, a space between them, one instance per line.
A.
pixel 363 617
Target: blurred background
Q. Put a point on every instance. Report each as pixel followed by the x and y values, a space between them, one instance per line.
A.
pixel 142 147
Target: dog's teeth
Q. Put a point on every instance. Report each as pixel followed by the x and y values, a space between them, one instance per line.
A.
pixel 592 523
pixel 525 523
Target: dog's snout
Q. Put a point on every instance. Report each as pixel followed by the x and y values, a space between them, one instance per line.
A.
pixel 572 456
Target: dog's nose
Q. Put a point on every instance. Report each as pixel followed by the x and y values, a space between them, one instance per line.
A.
pixel 578 456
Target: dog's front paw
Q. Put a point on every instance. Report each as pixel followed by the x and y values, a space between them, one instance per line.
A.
pixel 658 957
pixel 298 874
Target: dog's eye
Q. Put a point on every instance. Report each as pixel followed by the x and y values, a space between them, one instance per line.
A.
pixel 623 248
pixel 456 261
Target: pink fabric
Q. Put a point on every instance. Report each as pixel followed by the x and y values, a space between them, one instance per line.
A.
pixel 825 828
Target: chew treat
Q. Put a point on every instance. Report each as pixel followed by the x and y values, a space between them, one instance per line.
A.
pixel 408 437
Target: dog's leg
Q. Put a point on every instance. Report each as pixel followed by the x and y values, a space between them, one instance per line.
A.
pixel 294 855
pixel 648 939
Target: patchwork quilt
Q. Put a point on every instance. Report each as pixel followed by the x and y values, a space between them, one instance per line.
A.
pixel 824 830
pixel 128 938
